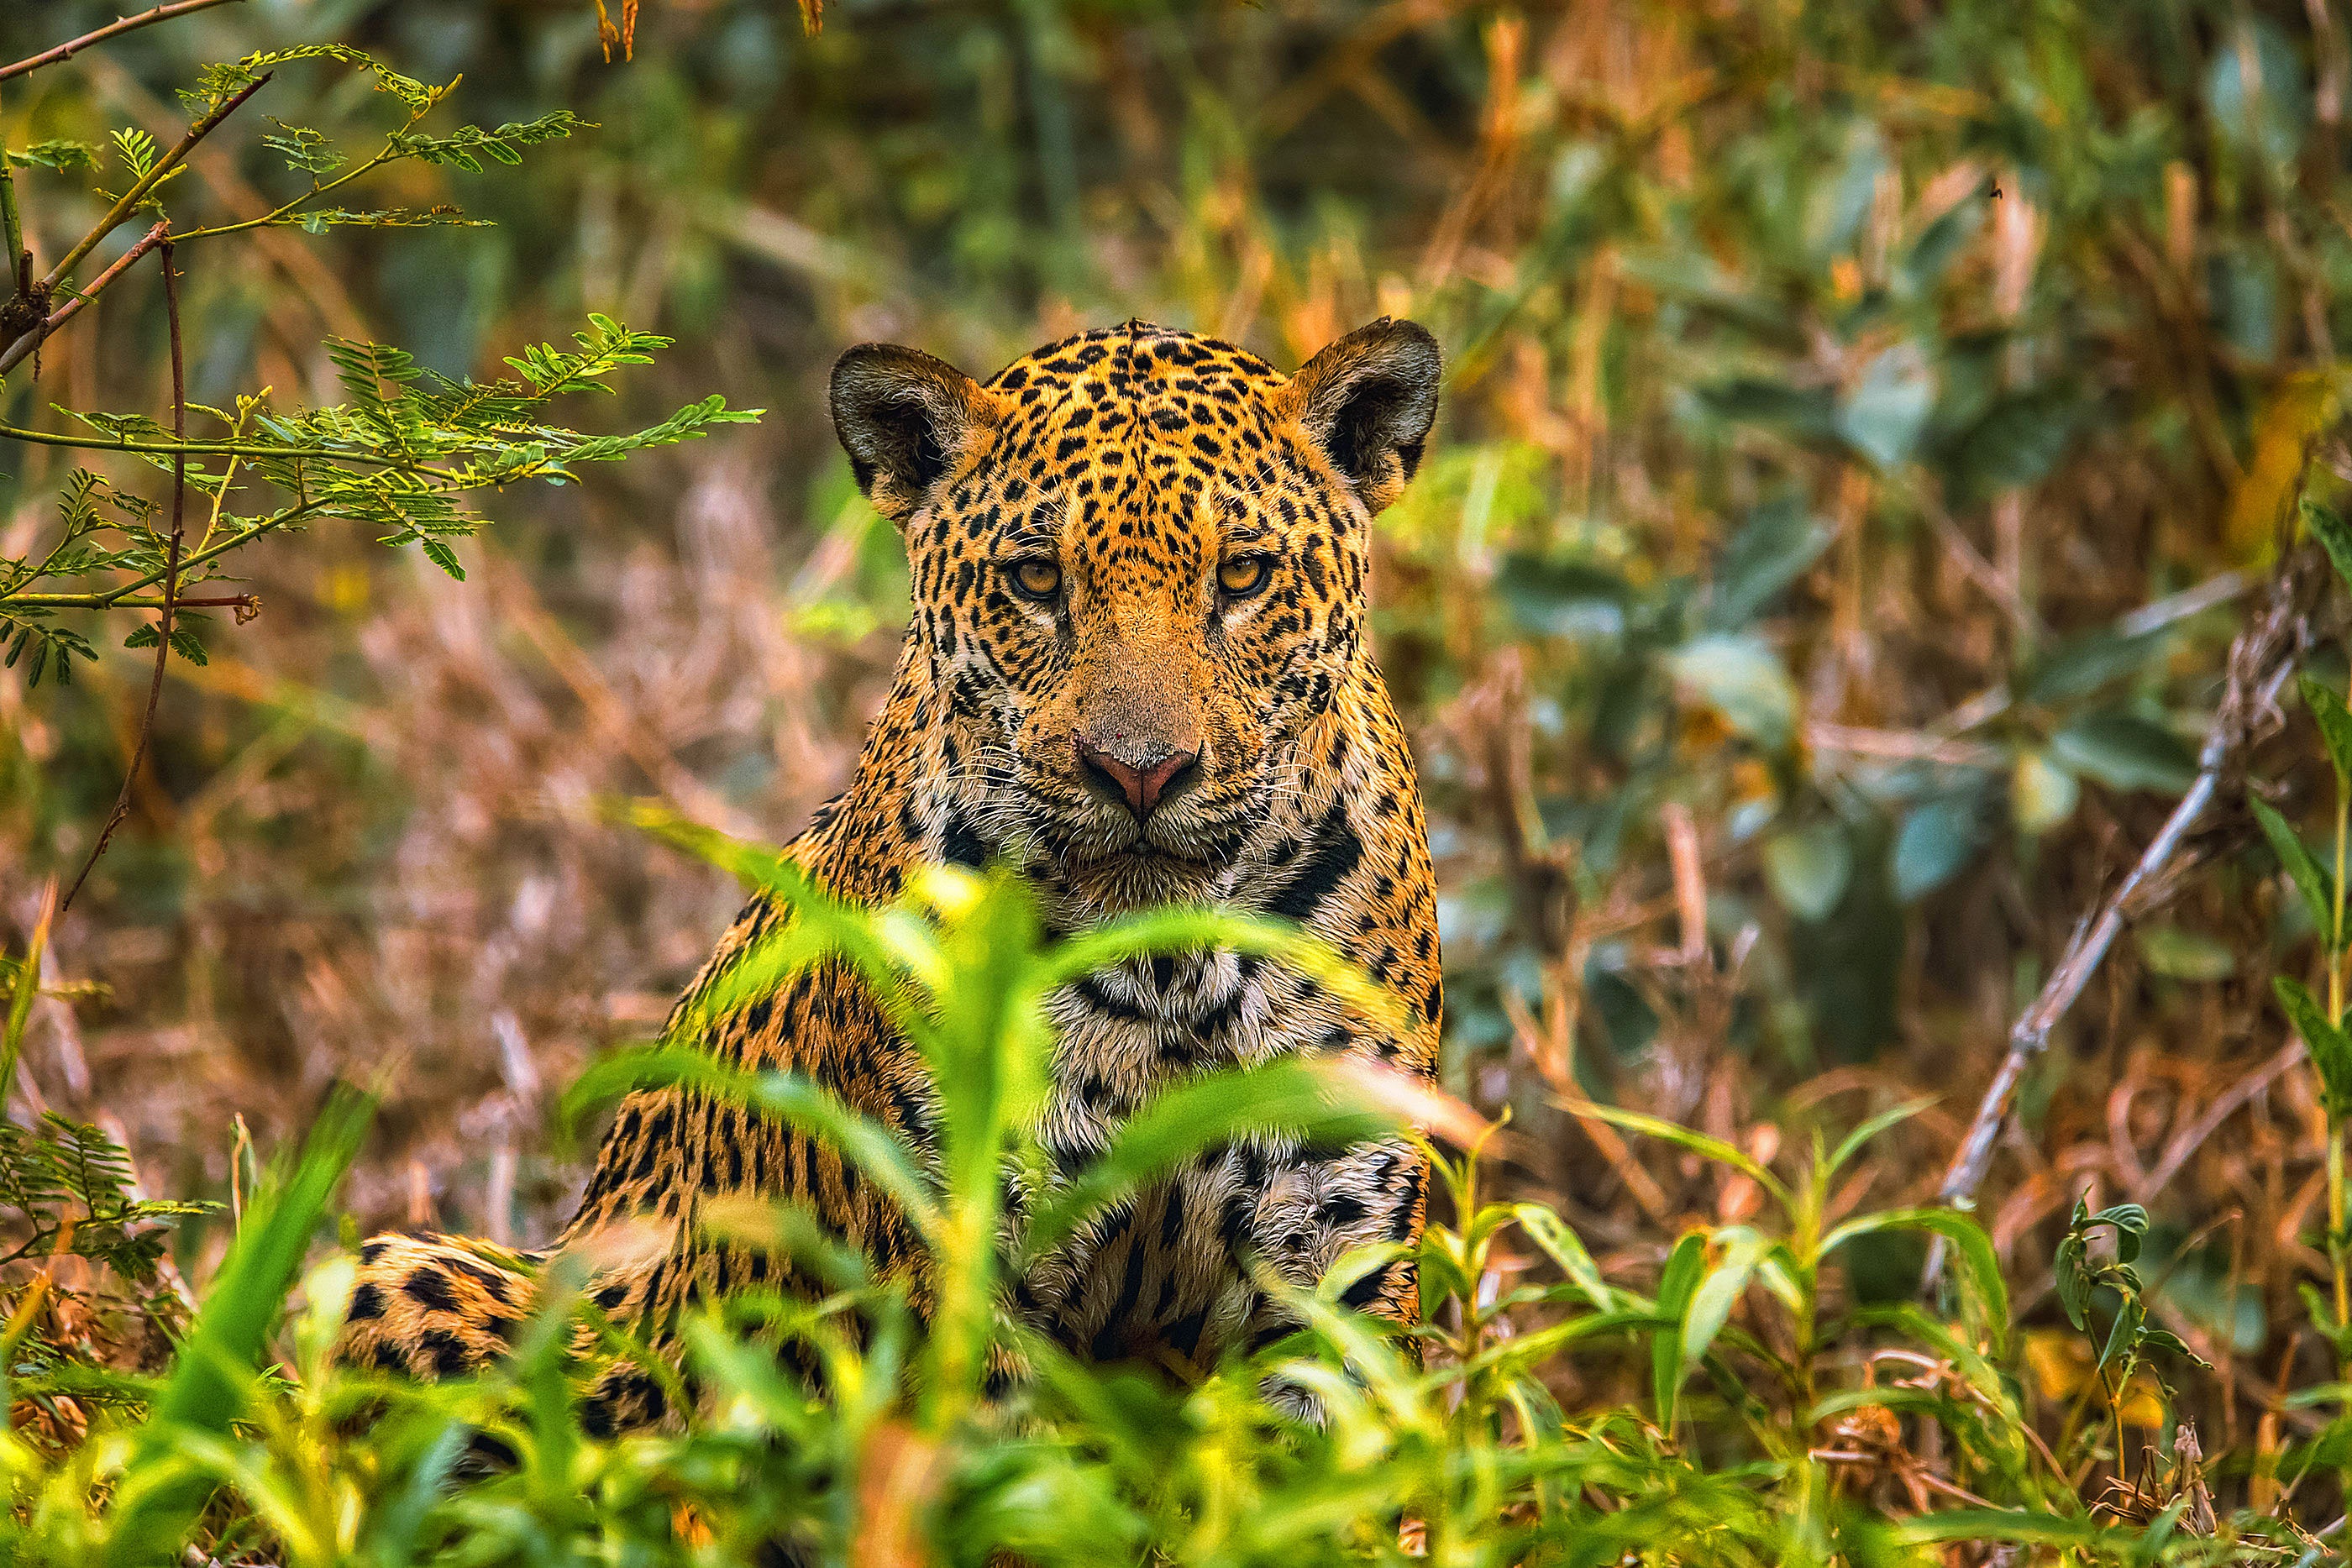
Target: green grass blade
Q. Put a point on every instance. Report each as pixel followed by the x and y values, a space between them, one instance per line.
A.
pixel 1301 1097
pixel 208 1389
pixel 1684 1137
pixel 786 1096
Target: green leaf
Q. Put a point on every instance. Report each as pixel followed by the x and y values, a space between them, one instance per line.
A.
pixel 2335 723
pixel 2182 955
pixel 442 556
pixel 1550 598
pixel 2021 1525
pixel 788 1097
pixel 1683 1266
pixel 62 156
pixel 1807 414
pixel 2089 660
pixel 2165 1340
pixel 1870 1127
pixel 1778 544
pixel 1566 1248
pixel 1807 868
pixel 1718 1290
pixel 2125 751
pixel 2331 1049
pixel 1883 416
pixel 1298 1097
pixel 305 151
pixel 465 147
pixel 2317 887
pixel 2019 441
pixel 1981 1264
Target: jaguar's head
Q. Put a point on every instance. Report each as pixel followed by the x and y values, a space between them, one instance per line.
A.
pixel 1139 562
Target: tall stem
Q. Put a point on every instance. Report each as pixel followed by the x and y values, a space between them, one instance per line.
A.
pixel 2335 946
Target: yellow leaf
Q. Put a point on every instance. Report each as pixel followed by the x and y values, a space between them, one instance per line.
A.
pixel 2295 412
pixel 2143 1403
pixel 2061 1363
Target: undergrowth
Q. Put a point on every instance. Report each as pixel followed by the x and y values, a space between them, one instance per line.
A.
pixel 1785 1422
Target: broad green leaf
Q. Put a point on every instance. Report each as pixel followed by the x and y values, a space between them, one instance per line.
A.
pixel 2316 886
pixel 1779 542
pixel 1805 414
pixel 1807 868
pixel 2019 441
pixel 1576 600
pixel 2256 89
pixel 2335 536
pixel 2089 660
pixel 2125 751
pixel 1717 1292
pixel 1883 416
pixel 1934 844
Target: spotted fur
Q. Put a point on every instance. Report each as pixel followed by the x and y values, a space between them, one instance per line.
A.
pixel 1155 727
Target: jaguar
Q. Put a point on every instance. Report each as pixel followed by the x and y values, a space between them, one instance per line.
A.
pixel 1137 672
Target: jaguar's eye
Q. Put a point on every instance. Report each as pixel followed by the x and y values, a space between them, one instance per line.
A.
pixel 1245 575
pixel 1036 578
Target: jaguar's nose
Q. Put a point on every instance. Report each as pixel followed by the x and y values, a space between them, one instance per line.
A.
pixel 1139 787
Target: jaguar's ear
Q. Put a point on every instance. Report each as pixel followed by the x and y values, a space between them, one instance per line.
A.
pixel 1368 401
pixel 907 420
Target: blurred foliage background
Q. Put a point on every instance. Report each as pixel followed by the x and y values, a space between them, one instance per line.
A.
pixel 1866 425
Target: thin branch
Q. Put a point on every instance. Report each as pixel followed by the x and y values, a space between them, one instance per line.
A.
pixel 138 192
pixel 37 334
pixel 140 601
pixel 170 576
pixel 111 597
pixel 389 151
pixel 65 51
pixel 2261 660
pixel 225 448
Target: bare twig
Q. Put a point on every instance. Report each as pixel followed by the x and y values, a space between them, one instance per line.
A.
pixel 2262 658
pixel 2225 1106
pixel 32 337
pixel 71 48
pixel 170 575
